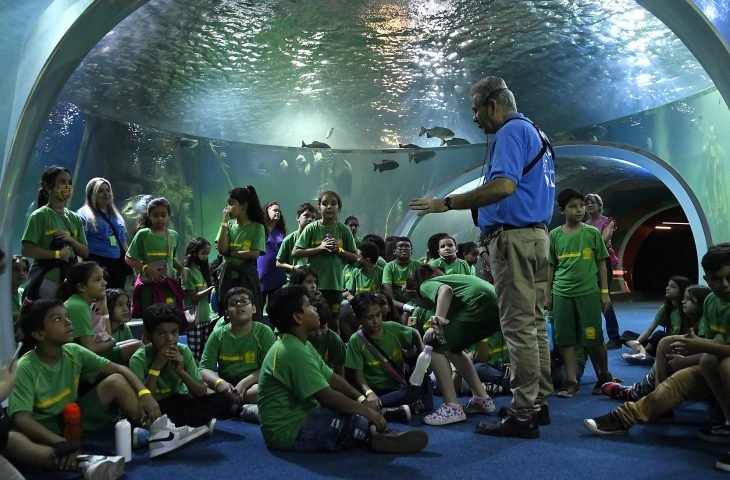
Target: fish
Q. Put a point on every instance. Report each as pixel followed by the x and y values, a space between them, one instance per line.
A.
pixel 343 177
pixel 284 164
pixel 317 158
pixel 421 156
pixel 409 145
pixel 188 142
pixel 132 207
pixel 315 144
pixel 455 141
pixel 439 132
pixel 385 165
pixel 300 162
pixel 329 134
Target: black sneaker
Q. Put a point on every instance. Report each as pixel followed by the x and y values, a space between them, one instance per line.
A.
pixel 542 416
pixel 609 424
pixel 400 414
pixel 393 441
pixel 613 344
pixel 716 433
pixel 510 426
pixel 602 379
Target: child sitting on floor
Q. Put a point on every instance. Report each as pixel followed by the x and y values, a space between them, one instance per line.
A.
pixel 328 344
pixel 237 350
pixel 169 372
pixel 303 405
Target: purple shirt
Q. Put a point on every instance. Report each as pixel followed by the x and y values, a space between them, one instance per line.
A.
pixel 271 277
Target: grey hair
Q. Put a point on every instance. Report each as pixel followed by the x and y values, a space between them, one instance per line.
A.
pixel 493 88
pixel 597 198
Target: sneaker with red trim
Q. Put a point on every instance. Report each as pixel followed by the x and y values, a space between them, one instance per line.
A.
pixel 616 391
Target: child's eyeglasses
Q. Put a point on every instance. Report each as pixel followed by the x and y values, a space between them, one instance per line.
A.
pixel 240 303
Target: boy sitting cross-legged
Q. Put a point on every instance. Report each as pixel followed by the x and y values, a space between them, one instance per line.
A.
pixel 168 369
pixel 47 381
pixel 303 406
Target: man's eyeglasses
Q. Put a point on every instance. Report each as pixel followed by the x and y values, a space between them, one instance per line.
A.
pixel 403 247
pixel 240 303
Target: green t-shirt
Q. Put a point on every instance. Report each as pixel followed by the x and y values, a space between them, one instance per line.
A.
pixel 44 223
pixel 234 358
pixel 247 238
pixel 457 266
pixel 715 321
pixel 675 320
pixel 284 254
pixel 473 299
pixel 331 348
pixel 292 373
pixel 79 312
pixel 497 348
pixel 423 315
pixel 381 262
pixel 169 382
pixel 396 275
pixel 148 246
pixel 329 266
pixel 196 282
pixel 44 390
pixel 362 281
pixel 395 339
pixel 574 256
pixel 123 333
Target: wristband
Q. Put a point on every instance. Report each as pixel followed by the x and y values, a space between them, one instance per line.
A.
pixel 217 382
pixel 361 398
pixel 143 392
pixel 604 290
pixel 154 373
pixel 58 254
pixel 224 225
pixel 340 250
pixel 368 392
pixel 144 265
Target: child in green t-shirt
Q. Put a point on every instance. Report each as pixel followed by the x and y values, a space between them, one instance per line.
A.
pixel 445 258
pixel 54 235
pixel 329 246
pixel 363 276
pixel 303 405
pixel 241 239
pixel 577 254
pixel 328 344
pixel 84 290
pixel 306 214
pixel 465 311
pixel 117 301
pixel 197 290
pixel 20 268
pixel 306 277
pixel 396 272
pixel 387 387
pixel 233 354
pixel 168 370
pixel 46 381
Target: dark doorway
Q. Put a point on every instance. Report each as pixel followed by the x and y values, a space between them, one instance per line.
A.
pixel 663 254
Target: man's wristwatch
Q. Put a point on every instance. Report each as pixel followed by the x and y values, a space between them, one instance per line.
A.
pixel 447 202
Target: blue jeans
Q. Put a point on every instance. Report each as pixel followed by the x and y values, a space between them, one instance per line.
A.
pixel 405 395
pixel 330 431
pixel 489 374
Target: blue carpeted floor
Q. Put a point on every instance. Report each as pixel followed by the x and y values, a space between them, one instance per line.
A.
pixel 565 449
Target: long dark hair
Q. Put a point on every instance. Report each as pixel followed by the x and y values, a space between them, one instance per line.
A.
pixel 682 283
pixel 31 320
pixel 191 257
pixel 280 224
pixel 48 180
pixel 248 196
pixel 422 273
pixel 699 293
pixel 144 218
pixel 78 273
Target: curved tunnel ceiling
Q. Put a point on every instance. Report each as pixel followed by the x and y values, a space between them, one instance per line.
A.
pixel 278 72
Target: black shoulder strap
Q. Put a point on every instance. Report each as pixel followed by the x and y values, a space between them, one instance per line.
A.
pixel 543 138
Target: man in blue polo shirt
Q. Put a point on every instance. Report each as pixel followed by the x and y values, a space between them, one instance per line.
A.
pixel 515 205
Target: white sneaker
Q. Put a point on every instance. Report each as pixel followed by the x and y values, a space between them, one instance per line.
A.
pixel 98 467
pixel 445 415
pixel 211 427
pixel 250 413
pixel 166 437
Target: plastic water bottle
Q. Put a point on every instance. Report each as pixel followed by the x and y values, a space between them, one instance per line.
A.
pixel 548 315
pixel 424 360
pixel 123 439
pixel 72 422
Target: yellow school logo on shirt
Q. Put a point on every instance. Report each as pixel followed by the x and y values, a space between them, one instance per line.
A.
pixel 249 357
pixel 590 333
pixel 587 254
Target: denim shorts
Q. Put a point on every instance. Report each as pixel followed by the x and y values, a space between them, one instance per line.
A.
pixel 330 431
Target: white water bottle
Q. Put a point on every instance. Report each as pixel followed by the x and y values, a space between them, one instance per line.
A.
pixel 424 360
pixel 123 439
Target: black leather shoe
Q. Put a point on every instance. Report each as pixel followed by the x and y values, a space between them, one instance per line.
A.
pixel 613 344
pixel 542 416
pixel 510 426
